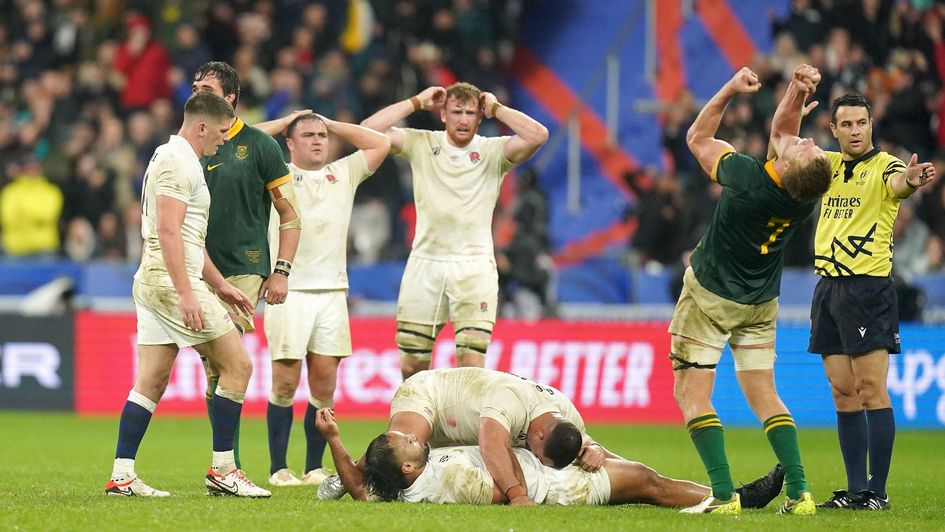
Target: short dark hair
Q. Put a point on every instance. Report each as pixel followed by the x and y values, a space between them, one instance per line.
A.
pixel 299 119
pixel 226 74
pixel 382 475
pixel 808 182
pixel 563 444
pixel 849 100
pixel 209 105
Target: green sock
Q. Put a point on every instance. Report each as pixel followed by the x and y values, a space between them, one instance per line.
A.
pixel 707 434
pixel 782 433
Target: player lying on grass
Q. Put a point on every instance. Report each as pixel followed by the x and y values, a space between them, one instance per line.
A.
pixel 492 409
pixel 400 467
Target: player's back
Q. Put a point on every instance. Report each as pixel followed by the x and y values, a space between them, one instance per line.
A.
pixel 463 395
pixel 740 257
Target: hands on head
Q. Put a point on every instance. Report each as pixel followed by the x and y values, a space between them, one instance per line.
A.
pixel 432 98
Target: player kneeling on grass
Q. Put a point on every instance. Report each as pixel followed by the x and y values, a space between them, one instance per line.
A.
pixel 398 466
pixel 175 307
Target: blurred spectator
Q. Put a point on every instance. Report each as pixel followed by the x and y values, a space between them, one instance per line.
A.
pixel 90 193
pixel 189 51
pixel 525 266
pixel 79 241
pixel 29 212
pixel 142 65
pixel 111 239
pixel 659 215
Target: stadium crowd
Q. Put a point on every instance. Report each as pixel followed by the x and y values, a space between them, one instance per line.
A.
pixel 89 89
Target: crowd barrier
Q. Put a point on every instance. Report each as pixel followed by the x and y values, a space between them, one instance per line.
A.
pixel 613 371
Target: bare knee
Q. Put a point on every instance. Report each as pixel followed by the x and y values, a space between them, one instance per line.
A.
pixel 845 395
pixel 410 366
pixel 872 392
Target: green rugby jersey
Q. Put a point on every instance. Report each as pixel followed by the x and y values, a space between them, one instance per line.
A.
pixel 740 256
pixel 239 177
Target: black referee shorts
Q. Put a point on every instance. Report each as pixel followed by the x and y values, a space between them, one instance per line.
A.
pixel 854 315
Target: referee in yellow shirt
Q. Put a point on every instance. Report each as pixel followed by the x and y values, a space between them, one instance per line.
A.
pixel 854 314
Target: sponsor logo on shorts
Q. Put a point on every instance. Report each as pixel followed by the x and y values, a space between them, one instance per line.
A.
pixel 862 332
pixel 483 307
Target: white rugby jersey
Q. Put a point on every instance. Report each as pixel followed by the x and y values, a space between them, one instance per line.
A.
pixel 463 395
pixel 459 475
pixel 455 191
pixel 326 198
pixel 175 172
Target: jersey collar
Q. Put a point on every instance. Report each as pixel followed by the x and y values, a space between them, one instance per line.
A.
pixel 772 173
pixel 235 128
pixel 848 166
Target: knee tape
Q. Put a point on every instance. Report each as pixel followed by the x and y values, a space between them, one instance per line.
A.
pixel 414 342
pixel 320 404
pixel 472 340
pixel 280 400
pixel 686 355
pixel 753 358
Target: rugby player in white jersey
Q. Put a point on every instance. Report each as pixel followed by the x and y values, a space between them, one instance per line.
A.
pixel 400 467
pixel 175 307
pixel 492 409
pixel 451 272
pixel 312 324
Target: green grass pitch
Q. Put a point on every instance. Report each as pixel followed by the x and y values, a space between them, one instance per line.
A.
pixel 54 467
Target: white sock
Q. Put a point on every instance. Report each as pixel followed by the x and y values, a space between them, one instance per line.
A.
pixel 223 462
pixel 124 469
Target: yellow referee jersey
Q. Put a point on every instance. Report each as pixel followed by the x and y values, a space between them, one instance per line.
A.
pixel 854 232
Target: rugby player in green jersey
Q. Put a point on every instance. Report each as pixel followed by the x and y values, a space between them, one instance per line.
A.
pixel 246 178
pixel 730 291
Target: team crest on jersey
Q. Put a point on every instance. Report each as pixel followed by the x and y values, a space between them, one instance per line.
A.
pixel 242 151
pixel 483 306
pixel 474 158
pixel 331 179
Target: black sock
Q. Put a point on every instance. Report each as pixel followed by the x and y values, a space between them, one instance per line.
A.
pixel 852 432
pixel 882 433
pixel 315 442
pixel 279 424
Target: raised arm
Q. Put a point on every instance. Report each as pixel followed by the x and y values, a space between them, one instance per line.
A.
pixel 279 125
pixel 347 468
pixel 916 175
pixel 375 145
pixel 529 134
pixel 786 122
pixel 429 99
pixel 701 135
